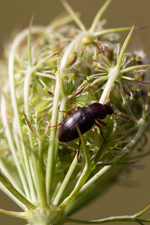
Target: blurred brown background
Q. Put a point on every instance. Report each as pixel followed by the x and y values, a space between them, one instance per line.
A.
pixel 121 199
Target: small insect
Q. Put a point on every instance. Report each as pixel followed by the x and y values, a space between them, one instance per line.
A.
pixel 83 119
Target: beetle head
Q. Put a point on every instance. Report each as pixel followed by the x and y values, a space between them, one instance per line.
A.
pixel 109 109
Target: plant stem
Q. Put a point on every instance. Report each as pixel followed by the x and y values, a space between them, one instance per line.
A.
pixel 65 181
pixel 132 218
pixel 131 68
pixel 41 177
pixel 7 174
pixel 12 197
pixel 12 146
pixel 34 173
pixel 99 15
pixel 113 75
pixel 85 174
pixel 112 30
pixel 126 42
pixel 73 15
pixel 21 215
pixel 23 151
pixel 51 150
pixel 20 197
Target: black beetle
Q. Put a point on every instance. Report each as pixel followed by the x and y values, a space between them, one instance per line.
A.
pixel 84 118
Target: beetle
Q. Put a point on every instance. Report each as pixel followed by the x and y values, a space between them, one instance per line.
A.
pixel 83 119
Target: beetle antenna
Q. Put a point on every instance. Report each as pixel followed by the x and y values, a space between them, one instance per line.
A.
pixel 125 117
pixel 117 114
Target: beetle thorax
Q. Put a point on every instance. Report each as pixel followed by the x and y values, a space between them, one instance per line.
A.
pixel 97 111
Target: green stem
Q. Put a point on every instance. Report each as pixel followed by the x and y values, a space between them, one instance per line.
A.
pixel 20 197
pixel 27 112
pixel 21 215
pixel 132 218
pixel 73 15
pixel 45 75
pixel 142 128
pixel 11 61
pixel 51 150
pixel 12 147
pixel 60 21
pixel 7 174
pixel 66 180
pixel 126 42
pixel 29 44
pixel 12 197
pixel 99 15
pixel 86 152
pixel 26 101
pixel 41 177
pixel 85 174
pixel 131 68
pixel 103 78
pixel 113 75
pixel 112 30
pixel 103 145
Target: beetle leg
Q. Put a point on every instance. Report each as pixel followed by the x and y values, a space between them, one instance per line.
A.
pixel 78 154
pixel 75 107
pixel 69 147
pixel 103 124
pixel 58 123
pixel 78 91
pixel 67 112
